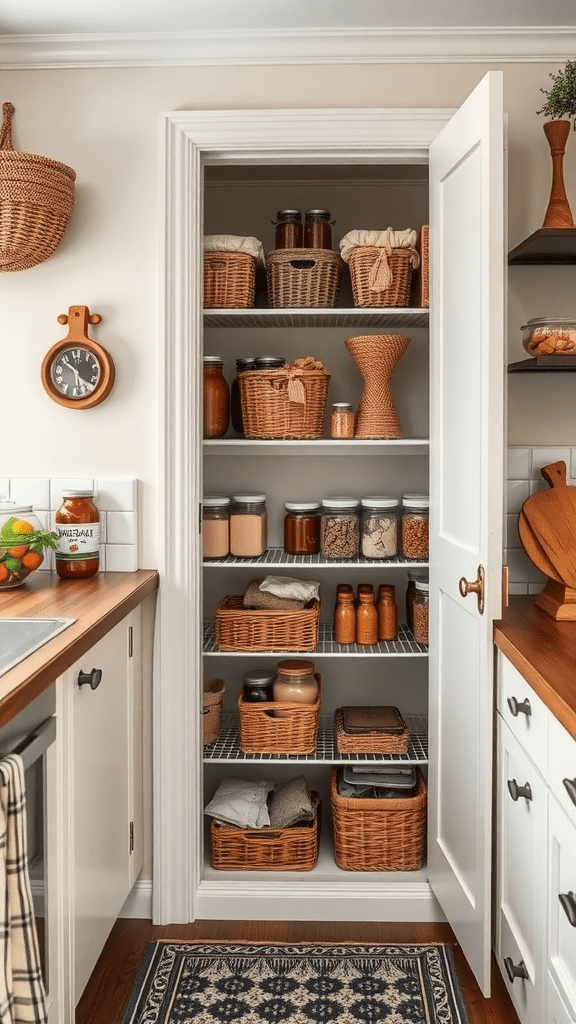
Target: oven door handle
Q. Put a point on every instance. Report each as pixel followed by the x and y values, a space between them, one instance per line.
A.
pixel 36 743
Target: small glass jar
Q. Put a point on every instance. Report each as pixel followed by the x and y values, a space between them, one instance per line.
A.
pixel 340 528
pixel 379 527
pixel 302 528
pixel 550 336
pixel 248 525
pixel 242 365
pixel 317 229
pixel 269 362
pixel 77 524
pixel 416 574
pixel 341 420
pixel 420 612
pixel 415 508
pixel 288 229
pixel 295 682
pixel 216 398
pixel 258 685
pixel 215 526
pixel 22 542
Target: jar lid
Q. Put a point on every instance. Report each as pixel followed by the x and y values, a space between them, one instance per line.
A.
pixel 245 363
pixel 377 501
pixel 550 321
pixel 268 362
pixel 339 502
pixel 295 667
pixel 289 215
pixel 416 500
pixel 78 493
pixel 216 500
pixel 301 506
pixel 417 574
pixel 341 405
pixel 318 214
pixel 260 677
pixel 422 585
pixel 248 499
pixel 11 507
pixel 213 360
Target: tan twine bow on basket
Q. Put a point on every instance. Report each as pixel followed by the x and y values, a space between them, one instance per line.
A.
pixel 380 277
pixel 295 390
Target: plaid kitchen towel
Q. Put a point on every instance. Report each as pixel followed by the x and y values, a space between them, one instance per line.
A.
pixel 22 997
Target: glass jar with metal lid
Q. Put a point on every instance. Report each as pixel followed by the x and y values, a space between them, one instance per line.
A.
pixel 413 575
pixel 415 508
pixel 550 336
pixel 288 229
pixel 379 527
pixel 341 420
pixel 242 365
pixel 248 525
pixel 295 682
pixel 302 528
pixel 420 612
pixel 258 685
pixel 216 398
pixel 215 525
pixel 340 528
pixel 317 229
pixel 269 362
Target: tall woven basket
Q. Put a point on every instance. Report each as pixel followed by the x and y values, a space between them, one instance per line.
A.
pixel 36 200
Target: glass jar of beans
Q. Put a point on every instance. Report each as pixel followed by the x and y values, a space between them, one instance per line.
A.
pixel 414 531
pixel 420 612
pixel 340 528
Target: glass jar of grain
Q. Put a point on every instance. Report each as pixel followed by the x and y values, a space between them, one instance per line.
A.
pixel 340 528
pixel 341 420
pixel 248 525
pixel 415 509
pixel 215 526
pixel 420 612
pixel 379 527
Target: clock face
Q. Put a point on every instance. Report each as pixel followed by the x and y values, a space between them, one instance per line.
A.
pixel 75 372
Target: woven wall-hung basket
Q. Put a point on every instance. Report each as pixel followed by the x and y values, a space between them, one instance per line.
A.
pixel 36 200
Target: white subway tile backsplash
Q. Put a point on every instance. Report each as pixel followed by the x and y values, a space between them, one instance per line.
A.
pixel 116 495
pixel 30 491
pixel 544 456
pixel 121 527
pixel 519 565
pixel 68 483
pixel 517 492
pixel 512 539
pixel 519 461
pixel 121 558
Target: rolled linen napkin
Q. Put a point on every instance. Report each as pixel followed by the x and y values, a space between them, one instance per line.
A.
pixel 289 587
pixel 241 803
pixel 255 597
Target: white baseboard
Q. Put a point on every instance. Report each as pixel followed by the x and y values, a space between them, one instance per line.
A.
pixel 139 901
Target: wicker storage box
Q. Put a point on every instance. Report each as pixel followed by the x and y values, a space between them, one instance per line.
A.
pixel 295 732
pixel 212 701
pixel 265 849
pixel 229 280
pixel 424 272
pixel 303 278
pixel 361 260
pixel 379 835
pixel 368 742
pixel 283 403
pixel 255 629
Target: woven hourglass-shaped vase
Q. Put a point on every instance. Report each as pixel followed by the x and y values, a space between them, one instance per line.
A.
pixel 376 356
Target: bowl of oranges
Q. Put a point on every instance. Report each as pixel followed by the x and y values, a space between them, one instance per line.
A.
pixel 23 543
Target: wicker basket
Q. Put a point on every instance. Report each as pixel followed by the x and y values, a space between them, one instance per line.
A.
pixel 255 629
pixel 424 271
pixel 379 835
pixel 213 698
pixel 284 403
pixel 295 732
pixel 303 278
pixel 265 849
pixel 368 742
pixel 229 280
pixel 361 261
pixel 36 200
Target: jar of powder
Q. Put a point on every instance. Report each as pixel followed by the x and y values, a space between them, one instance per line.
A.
pixel 248 525
pixel 215 526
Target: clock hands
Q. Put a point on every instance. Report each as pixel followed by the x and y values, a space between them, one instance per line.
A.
pixel 77 376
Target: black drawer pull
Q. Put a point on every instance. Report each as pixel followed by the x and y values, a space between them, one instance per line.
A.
pixel 515 970
pixel 570 785
pixel 519 708
pixel 568 901
pixel 517 791
pixel 93 678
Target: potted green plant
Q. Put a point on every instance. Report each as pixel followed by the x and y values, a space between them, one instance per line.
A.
pixel 560 104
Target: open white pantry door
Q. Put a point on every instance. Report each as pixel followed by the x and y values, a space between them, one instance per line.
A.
pixel 466 438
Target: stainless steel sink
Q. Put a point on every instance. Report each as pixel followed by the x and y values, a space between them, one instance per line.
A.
pixel 20 637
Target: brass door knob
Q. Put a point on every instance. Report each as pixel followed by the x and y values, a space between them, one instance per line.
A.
pixel 475 587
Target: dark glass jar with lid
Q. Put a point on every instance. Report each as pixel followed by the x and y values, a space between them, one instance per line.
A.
pixel 302 528
pixel 288 229
pixel 242 365
pixel 269 362
pixel 216 398
pixel 257 687
pixel 317 229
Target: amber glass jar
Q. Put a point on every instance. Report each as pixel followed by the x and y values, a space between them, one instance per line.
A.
pixel 317 229
pixel 243 364
pixel 216 398
pixel 77 523
pixel 295 682
pixel 302 528
pixel 288 229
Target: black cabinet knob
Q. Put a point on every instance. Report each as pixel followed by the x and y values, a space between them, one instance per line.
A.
pixel 515 970
pixel 519 707
pixel 570 786
pixel 92 678
pixel 517 791
pixel 568 901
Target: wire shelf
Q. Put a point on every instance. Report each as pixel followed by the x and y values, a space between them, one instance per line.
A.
pixel 405 645
pixel 277 556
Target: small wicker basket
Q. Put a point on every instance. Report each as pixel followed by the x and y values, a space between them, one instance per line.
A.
pixel 372 834
pixel 368 742
pixel 258 629
pixel 36 200
pixel 284 403
pixel 265 849
pixel 303 278
pixel 295 732
pixel 213 699
pixel 361 261
pixel 229 280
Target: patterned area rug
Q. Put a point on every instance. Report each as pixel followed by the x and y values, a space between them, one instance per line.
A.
pixel 244 983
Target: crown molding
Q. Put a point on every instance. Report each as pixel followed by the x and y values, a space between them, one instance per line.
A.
pixel 302 46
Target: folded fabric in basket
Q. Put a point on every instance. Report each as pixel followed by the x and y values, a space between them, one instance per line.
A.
pixel 241 803
pixel 257 598
pixel 287 586
pixel 290 803
pixel 236 243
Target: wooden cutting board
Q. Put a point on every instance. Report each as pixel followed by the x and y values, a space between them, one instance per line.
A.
pixel 534 549
pixel 551 516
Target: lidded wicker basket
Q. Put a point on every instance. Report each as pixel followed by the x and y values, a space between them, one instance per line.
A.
pixel 36 200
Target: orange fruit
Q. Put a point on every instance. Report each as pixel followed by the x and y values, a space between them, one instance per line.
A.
pixel 32 560
pixel 3 572
pixel 21 526
pixel 18 550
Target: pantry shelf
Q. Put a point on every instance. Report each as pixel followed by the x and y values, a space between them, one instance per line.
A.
pixel 405 645
pixel 277 556
pixel 405 317
pixel 227 746
pixel 324 446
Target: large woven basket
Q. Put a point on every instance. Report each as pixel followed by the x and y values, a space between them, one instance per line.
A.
pixel 372 834
pixel 284 403
pixel 295 732
pixel 259 629
pixel 265 849
pixel 368 742
pixel 229 280
pixel 212 701
pixel 362 259
pixel 36 200
pixel 303 278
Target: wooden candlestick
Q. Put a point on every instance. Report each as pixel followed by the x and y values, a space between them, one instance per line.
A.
pixel 558 213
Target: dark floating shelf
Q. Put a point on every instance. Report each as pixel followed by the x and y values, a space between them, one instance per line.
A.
pixel 534 366
pixel 547 245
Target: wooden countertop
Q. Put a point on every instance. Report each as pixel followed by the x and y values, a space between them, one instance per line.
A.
pixel 96 604
pixel 544 652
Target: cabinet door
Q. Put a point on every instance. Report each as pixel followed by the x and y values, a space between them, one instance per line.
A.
pixel 562 904
pixel 466 447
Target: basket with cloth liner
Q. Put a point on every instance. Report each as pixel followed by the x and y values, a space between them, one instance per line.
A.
pixel 289 402
pixel 261 731
pixel 303 278
pixel 381 265
pixel 36 199
pixel 258 629
pixel 230 265
pixel 212 701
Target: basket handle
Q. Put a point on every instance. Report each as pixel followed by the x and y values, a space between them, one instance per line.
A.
pixel 303 264
pixel 6 130
pixel 267 835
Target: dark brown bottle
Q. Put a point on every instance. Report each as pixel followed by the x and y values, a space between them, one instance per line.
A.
pixel 317 229
pixel 77 524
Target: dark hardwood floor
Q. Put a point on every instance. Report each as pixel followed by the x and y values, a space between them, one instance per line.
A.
pixel 108 990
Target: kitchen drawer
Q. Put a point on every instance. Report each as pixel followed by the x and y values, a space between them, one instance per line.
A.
pixel 562 882
pixel 562 766
pixel 556 1010
pixel 524 713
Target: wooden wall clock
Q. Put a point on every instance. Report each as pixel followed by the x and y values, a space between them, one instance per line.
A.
pixel 77 372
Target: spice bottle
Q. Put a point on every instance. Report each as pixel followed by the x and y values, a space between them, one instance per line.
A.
pixel 77 523
pixel 216 398
pixel 420 612
pixel 288 229
pixel 366 615
pixel 215 526
pixel 344 615
pixel 243 364
pixel 415 509
pixel 339 529
pixel 387 612
pixel 302 528
pixel 317 229
pixel 257 687
pixel 379 527
pixel 342 420
pixel 248 525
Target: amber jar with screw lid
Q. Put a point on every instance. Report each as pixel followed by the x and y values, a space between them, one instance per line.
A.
pixel 295 682
pixel 317 229
pixel 288 229
pixel 216 398
pixel 77 523
pixel 302 528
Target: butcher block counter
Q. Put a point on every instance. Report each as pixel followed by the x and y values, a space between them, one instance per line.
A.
pixel 97 604
pixel 544 652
